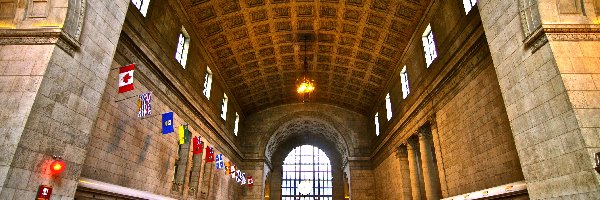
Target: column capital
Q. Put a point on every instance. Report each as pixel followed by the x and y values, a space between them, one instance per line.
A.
pixel 411 143
pixel 424 133
pixel 402 151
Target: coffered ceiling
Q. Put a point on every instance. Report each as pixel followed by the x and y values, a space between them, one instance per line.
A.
pixel 257 48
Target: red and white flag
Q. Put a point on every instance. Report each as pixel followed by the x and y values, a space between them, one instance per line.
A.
pixel 126 78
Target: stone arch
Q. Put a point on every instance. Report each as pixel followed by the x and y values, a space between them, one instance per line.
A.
pixel 309 123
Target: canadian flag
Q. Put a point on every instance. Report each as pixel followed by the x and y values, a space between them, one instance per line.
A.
pixel 126 78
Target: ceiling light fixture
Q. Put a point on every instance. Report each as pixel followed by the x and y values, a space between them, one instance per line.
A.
pixel 305 85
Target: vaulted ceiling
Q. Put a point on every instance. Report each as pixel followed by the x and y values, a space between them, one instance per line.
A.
pixel 257 48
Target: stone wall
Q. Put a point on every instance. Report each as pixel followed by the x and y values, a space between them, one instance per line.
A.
pixel 64 106
pixel 545 82
pixel 459 97
pixel 132 152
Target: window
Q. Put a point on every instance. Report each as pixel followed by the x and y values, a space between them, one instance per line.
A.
pixel 182 48
pixel 469 4
pixel 237 124
pixel 207 83
pixel 404 82
pixel 377 124
pixel 429 46
pixel 141 5
pixel 307 175
pixel 224 107
pixel 388 106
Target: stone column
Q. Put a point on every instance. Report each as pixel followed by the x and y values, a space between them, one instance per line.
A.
pixel 402 155
pixel 413 166
pixel 430 174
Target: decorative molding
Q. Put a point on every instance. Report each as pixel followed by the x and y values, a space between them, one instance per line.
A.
pixel 39 36
pixel 562 32
pixel 572 32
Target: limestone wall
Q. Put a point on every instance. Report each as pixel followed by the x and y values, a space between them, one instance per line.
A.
pixel 132 152
pixel 459 96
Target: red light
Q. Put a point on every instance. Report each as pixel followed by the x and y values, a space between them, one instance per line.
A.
pixel 57 167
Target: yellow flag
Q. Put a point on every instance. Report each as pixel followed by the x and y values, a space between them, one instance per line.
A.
pixel 181 135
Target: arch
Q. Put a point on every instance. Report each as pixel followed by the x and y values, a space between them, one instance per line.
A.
pixel 309 123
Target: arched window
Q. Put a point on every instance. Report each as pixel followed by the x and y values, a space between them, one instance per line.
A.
pixel 306 175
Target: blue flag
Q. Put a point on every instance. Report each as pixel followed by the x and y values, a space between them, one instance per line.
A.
pixel 219 163
pixel 167 123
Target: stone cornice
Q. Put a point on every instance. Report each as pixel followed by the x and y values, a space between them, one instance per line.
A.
pixel 562 32
pixel 39 36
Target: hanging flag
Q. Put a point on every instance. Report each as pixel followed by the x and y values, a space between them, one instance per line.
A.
pixel 183 134
pixel 210 154
pixel 167 123
pixel 232 170
pixel 126 78
pixel 240 177
pixel 219 162
pixel 227 167
pixel 145 104
pixel 198 145
pixel 250 181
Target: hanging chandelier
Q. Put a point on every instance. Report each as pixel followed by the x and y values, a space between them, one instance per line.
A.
pixel 305 86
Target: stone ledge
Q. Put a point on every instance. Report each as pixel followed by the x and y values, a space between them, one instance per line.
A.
pixel 40 36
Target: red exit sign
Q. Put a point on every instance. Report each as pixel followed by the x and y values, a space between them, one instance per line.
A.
pixel 44 192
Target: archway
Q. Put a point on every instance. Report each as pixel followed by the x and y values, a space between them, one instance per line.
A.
pixel 278 160
pixel 306 175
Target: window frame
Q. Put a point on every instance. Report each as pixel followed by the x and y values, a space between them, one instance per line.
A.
pixel 224 107
pixel 388 106
pixel 404 83
pixel 377 124
pixel 182 49
pixel 237 124
pixel 208 76
pixel 468 5
pixel 307 162
pixel 142 6
pixel 429 46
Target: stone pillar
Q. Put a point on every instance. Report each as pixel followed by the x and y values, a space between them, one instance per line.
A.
pixel 58 84
pixel 430 175
pixel 402 155
pixel 547 82
pixel 413 166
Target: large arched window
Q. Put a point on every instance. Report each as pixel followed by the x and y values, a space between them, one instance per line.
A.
pixel 306 175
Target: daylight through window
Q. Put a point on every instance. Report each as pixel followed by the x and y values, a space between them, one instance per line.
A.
pixel 141 5
pixel 469 4
pixel 183 45
pixel 377 124
pixel 207 83
pixel 307 175
pixel 429 46
pixel 404 82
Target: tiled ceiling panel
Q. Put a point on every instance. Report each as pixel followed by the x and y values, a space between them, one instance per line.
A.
pixel 258 50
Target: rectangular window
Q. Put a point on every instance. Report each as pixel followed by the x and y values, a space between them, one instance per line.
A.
pixel 388 106
pixel 207 83
pixel 141 5
pixel 404 82
pixel 224 107
pixel 429 46
pixel 237 124
pixel 469 4
pixel 377 124
pixel 183 45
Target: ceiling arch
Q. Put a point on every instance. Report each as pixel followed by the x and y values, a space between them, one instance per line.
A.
pixel 355 47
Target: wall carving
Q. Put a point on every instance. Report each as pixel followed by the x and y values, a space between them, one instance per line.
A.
pixel 67 38
pixel 255 45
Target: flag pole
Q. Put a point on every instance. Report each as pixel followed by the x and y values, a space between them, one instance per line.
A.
pixel 126 98
pixel 122 66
